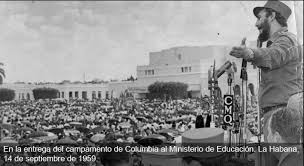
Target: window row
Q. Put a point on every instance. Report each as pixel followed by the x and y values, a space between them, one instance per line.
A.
pixel 186 69
pixel 85 95
pixel 23 96
pixel 149 72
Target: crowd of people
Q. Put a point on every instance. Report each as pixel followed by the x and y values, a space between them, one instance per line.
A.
pixel 80 122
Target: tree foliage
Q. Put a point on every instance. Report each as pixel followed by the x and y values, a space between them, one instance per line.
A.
pixel 7 94
pixel 45 93
pixel 167 90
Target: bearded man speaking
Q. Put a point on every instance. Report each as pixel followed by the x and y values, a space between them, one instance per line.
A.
pixel 280 62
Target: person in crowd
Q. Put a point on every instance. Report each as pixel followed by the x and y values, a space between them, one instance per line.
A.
pixel 115 158
pixel 57 118
pixel 207 119
pixel 284 128
pixel 199 122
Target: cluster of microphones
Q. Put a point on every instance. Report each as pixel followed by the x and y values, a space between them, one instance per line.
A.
pixel 230 118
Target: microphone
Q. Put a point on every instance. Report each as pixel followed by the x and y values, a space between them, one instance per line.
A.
pixel 210 77
pixel 230 73
pixel 244 63
pixel 227 65
pixel 232 69
pixel 244 66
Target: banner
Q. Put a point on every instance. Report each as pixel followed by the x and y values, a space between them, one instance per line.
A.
pixel 228 110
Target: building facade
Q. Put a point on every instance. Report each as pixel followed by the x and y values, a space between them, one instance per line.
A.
pixel 189 65
pixel 66 91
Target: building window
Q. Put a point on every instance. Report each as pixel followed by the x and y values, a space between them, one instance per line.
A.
pixel 76 94
pixel 62 94
pixel 28 97
pixel 179 57
pixel 149 72
pixel 84 95
pixel 93 95
pixel 70 94
pixel 99 94
pixel 107 95
pixel 186 69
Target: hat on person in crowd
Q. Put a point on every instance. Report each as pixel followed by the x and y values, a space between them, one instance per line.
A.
pixel 79 140
pixel 275 5
pixel 130 139
pixel 113 158
pixel 202 137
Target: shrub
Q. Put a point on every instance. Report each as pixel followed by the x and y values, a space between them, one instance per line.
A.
pixel 7 94
pixel 167 90
pixel 45 93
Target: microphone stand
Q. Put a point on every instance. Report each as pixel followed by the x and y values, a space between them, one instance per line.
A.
pixel 230 79
pixel 244 77
pixel 259 161
pixel 235 127
pixel 233 130
pixel 212 86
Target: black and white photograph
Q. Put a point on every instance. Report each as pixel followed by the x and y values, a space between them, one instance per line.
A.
pixel 151 83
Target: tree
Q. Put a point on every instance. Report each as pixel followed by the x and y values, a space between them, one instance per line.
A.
pixel 167 90
pixel 7 94
pixel 65 82
pixel 45 93
pixel 77 82
pixel 131 78
pixel 2 73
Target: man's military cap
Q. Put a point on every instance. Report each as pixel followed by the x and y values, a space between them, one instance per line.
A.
pixel 277 6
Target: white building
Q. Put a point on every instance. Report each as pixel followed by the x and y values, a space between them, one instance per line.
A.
pixel 66 91
pixel 189 65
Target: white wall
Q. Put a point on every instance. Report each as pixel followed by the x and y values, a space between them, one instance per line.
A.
pixel 66 88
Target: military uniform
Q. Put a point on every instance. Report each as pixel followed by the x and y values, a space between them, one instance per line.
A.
pixel 281 75
pixel 281 69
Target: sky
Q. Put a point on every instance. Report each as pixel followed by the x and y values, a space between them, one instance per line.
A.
pixel 65 40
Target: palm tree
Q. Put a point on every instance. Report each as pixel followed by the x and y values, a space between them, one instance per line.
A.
pixel 2 73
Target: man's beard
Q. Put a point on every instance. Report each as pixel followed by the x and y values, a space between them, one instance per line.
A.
pixel 264 35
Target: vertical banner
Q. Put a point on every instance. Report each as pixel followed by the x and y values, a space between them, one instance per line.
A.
pixel 228 110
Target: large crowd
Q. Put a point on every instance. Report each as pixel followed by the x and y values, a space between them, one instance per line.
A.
pixel 80 122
